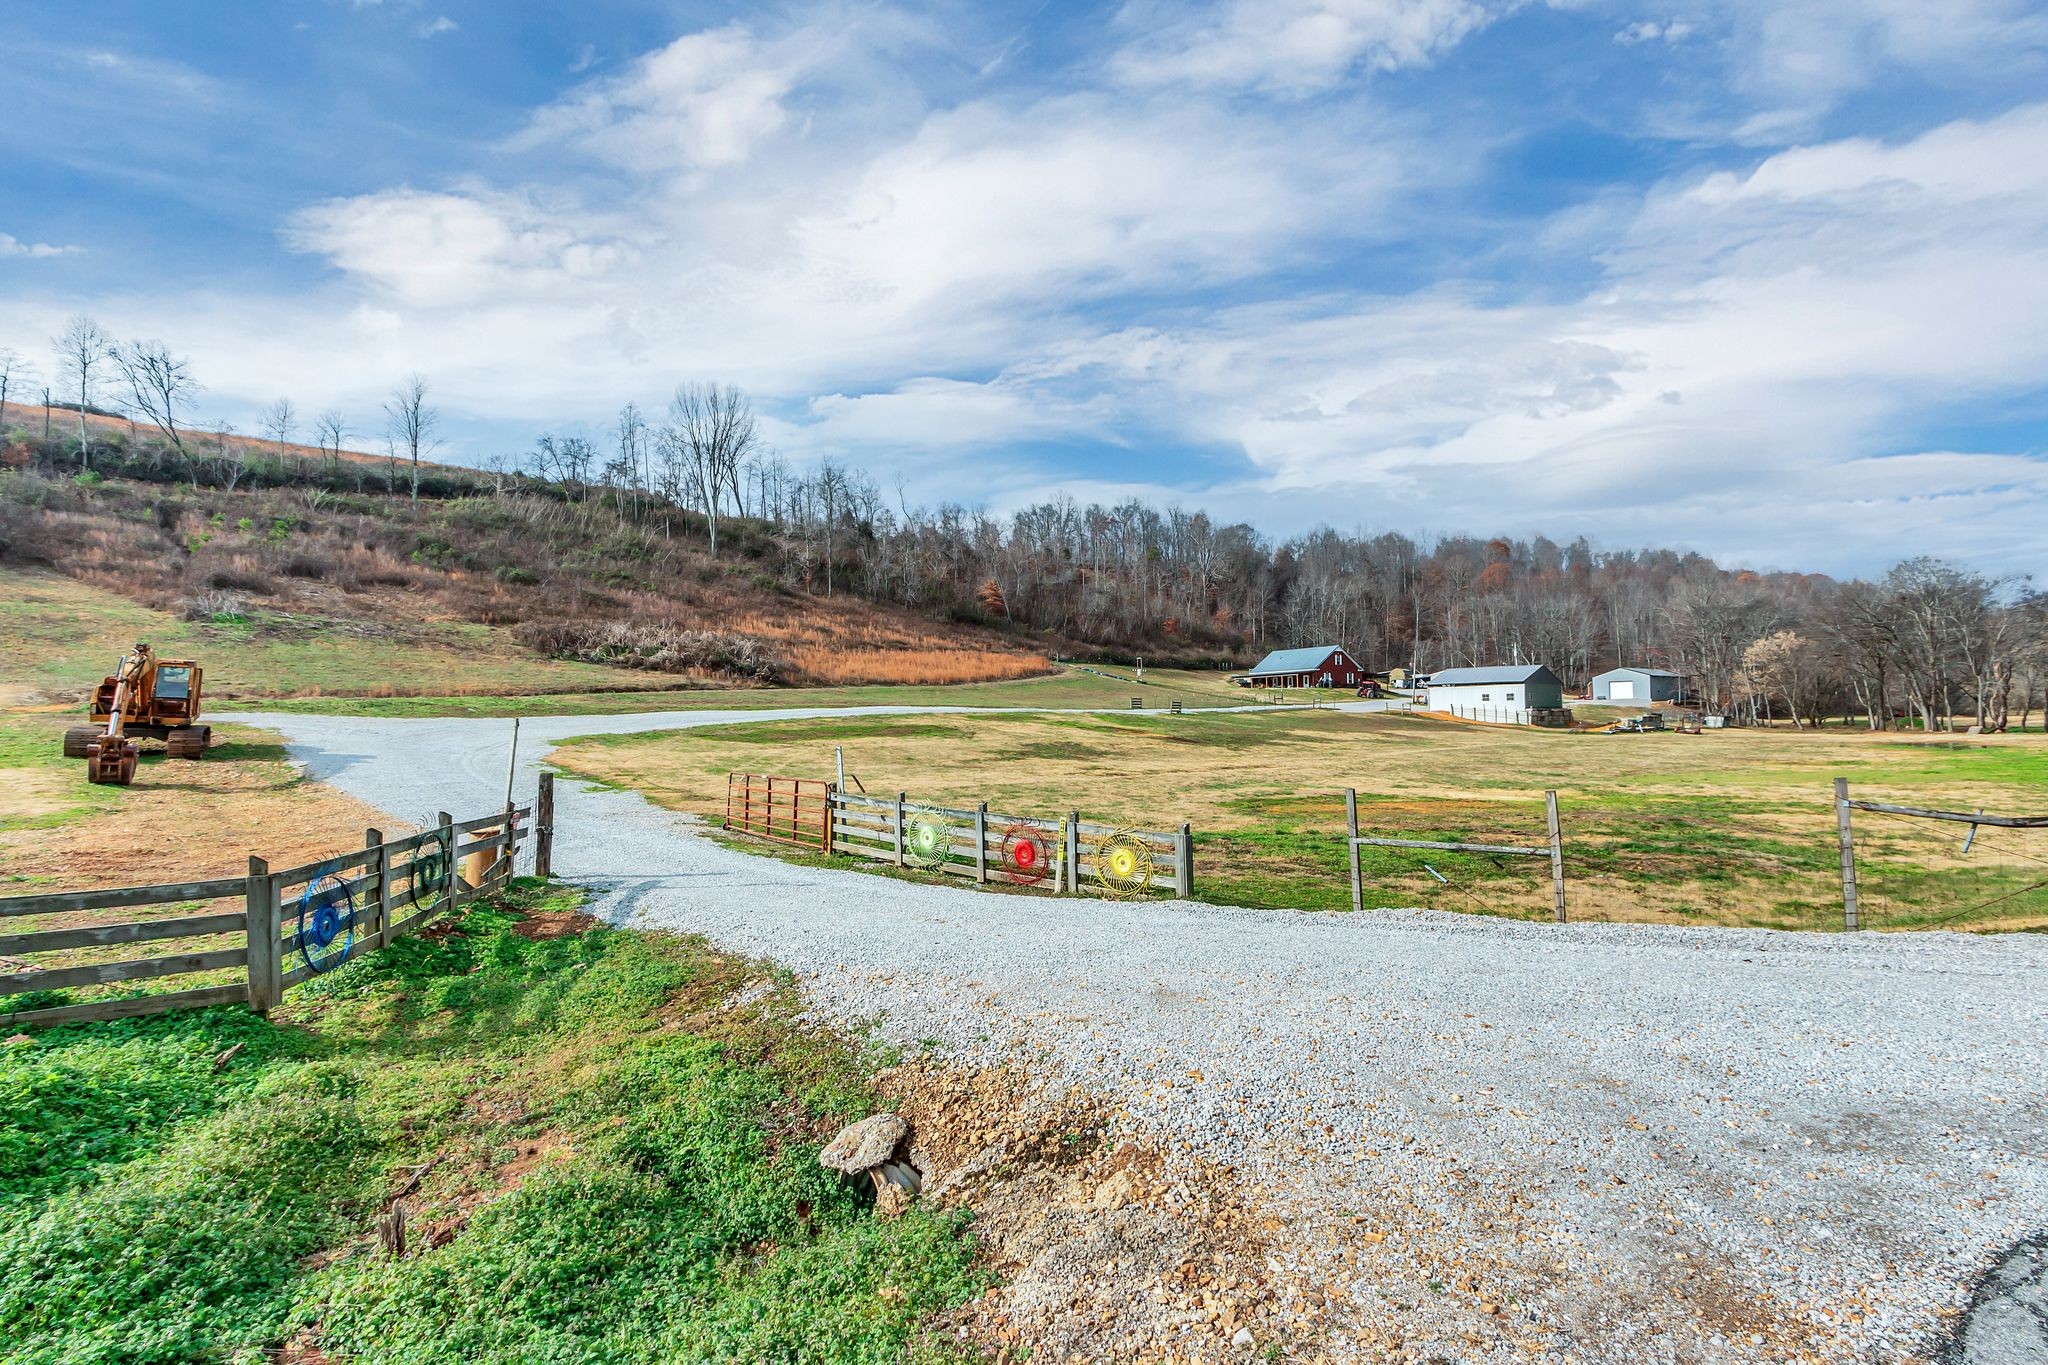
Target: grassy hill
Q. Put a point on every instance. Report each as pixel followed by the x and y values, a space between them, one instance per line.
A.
pixel 478 590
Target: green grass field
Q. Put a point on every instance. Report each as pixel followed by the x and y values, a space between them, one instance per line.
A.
pixel 1733 827
pixel 621 1169
pixel 1070 688
pixel 59 636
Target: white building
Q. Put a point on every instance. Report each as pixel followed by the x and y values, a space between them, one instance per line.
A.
pixel 1504 694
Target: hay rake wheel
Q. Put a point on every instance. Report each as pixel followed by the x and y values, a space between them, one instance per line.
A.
pixel 327 912
pixel 1123 864
pixel 927 840
pixel 427 873
pixel 1028 855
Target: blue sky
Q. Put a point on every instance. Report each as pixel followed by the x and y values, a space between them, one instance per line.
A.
pixel 1764 280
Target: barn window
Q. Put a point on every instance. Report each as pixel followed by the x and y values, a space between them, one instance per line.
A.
pixel 1486 696
pixel 1507 696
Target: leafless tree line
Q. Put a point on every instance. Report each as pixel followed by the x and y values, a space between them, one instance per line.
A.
pixel 1927 642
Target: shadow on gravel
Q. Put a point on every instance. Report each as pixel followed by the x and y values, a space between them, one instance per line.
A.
pixel 2007 1320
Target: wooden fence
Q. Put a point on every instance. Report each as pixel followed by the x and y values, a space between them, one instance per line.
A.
pixel 1054 855
pixel 976 842
pixel 391 889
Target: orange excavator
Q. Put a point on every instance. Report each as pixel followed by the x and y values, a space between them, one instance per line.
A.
pixel 144 696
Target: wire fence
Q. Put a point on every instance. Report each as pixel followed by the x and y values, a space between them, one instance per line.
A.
pixel 1908 867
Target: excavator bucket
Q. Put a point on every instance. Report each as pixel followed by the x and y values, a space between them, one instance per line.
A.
pixel 111 761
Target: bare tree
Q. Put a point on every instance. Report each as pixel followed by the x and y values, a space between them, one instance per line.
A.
pixel 161 383
pixel 14 370
pixel 412 424
pixel 83 347
pixel 714 424
pixel 330 429
pixel 280 420
pixel 566 460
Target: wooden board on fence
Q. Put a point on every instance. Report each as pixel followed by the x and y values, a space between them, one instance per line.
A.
pixel 129 1007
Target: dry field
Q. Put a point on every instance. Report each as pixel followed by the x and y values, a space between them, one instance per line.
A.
pixel 1735 827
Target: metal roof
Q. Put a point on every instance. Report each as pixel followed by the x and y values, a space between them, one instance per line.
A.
pixel 1295 660
pixel 1646 672
pixel 1490 673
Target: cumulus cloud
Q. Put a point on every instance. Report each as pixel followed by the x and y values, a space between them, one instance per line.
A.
pixel 432 249
pixel 437 26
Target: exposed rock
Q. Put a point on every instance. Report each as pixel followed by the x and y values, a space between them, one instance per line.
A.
pixel 862 1146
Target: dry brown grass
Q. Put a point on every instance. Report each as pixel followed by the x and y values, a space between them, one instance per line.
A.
pixel 1732 828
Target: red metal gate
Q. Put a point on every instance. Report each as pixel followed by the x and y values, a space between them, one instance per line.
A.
pixel 791 810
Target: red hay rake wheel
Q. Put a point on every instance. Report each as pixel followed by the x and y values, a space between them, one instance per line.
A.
pixel 1027 855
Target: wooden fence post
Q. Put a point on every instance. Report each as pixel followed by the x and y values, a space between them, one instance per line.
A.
pixel 544 828
pixel 450 878
pixel 1184 863
pixel 374 838
pixel 1351 823
pixel 1074 852
pixel 831 812
pixel 262 931
pixel 1556 852
pixel 900 796
pixel 981 843
pixel 1847 839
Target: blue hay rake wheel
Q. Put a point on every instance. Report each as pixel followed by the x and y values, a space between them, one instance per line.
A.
pixel 427 874
pixel 327 923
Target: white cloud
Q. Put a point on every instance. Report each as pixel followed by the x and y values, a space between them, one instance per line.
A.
pixel 1801 60
pixel 705 100
pixel 15 247
pixel 438 250
pixel 437 26
pixel 1671 32
pixel 1292 46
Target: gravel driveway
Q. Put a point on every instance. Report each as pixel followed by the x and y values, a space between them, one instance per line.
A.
pixel 1488 1138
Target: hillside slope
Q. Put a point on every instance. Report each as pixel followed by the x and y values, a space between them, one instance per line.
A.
pixel 479 590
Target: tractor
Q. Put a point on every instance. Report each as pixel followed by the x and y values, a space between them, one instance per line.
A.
pixel 144 696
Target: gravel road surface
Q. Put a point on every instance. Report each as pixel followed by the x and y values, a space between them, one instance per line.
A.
pixel 1489 1139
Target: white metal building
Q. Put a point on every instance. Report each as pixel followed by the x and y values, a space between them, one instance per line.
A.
pixel 1505 694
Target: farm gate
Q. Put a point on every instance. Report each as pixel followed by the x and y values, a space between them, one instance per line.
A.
pixel 1552 849
pixel 1893 857
pixel 289 924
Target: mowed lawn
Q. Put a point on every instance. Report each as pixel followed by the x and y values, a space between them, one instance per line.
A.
pixel 1732 828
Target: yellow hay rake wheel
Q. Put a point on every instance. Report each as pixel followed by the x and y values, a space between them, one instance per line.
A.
pixel 1123 864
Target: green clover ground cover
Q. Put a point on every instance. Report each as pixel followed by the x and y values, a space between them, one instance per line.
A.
pixel 154 1208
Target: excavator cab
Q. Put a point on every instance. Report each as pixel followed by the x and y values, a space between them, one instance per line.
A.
pixel 144 697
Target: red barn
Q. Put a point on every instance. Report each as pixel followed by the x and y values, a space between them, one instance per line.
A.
pixel 1316 666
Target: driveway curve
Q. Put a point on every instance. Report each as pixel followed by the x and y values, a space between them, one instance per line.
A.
pixel 1487 1138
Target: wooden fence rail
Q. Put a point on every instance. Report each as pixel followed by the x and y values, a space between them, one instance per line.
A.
pixel 391 887
pixel 966 841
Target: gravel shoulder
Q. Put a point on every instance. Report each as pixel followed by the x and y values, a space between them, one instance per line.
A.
pixel 1487 1138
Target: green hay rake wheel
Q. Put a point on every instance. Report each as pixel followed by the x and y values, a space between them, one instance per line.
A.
pixel 1123 865
pixel 927 840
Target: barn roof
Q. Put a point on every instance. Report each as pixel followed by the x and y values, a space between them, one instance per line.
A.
pixel 1646 672
pixel 1490 673
pixel 1295 660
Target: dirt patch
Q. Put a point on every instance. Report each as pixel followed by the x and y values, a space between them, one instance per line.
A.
pixel 548 924
pixel 186 820
pixel 1110 1248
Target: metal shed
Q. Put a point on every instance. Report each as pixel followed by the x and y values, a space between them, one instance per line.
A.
pixel 1638 685
pixel 1506 694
